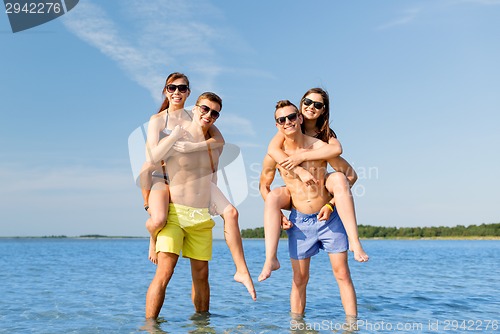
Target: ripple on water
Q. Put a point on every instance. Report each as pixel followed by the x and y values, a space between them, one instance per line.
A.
pixel 99 286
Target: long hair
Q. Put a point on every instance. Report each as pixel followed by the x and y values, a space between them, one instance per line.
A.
pixel 171 78
pixel 323 121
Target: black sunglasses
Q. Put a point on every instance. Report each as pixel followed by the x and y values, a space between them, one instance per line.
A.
pixel 317 105
pixel 182 88
pixel 205 110
pixel 291 118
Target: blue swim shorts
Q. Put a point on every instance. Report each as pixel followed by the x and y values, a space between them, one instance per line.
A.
pixel 308 235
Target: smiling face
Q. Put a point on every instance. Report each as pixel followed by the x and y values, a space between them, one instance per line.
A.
pixel 204 116
pixel 288 120
pixel 175 97
pixel 311 112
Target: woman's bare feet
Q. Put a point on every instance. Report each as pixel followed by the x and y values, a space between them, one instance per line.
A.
pixel 268 268
pixel 246 280
pixel 153 256
pixel 359 253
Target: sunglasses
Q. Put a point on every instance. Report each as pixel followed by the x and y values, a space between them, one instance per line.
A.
pixel 205 110
pixel 182 88
pixel 291 118
pixel 317 105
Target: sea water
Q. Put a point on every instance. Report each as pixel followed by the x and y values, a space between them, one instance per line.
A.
pixel 99 285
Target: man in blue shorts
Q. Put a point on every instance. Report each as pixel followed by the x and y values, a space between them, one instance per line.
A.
pixel 309 234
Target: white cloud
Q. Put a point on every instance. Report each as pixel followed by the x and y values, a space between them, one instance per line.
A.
pixel 483 2
pixel 153 38
pixel 92 24
pixel 70 200
pixel 17 179
pixel 232 124
pixel 409 16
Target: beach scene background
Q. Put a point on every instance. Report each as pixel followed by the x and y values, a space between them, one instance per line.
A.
pixel 414 89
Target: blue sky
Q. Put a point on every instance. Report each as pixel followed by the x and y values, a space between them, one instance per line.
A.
pixel 415 88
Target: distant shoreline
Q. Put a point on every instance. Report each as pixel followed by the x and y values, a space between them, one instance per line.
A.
pixel 73 237
pixel 436 238
pixel 413 238
pixel 459 232
pixel 132 237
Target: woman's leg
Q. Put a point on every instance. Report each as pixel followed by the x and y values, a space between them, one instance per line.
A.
pixel 219 205
pixel 277 199
pixel 338 185
pixel 158 209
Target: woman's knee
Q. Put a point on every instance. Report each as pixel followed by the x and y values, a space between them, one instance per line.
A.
pixel 156 221
pixel 230 212
pixel 278 198
pixel 337 180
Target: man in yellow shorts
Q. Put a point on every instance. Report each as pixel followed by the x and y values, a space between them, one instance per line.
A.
pixel 189 225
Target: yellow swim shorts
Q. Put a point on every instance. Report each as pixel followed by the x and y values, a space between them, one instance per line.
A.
pixel 188 229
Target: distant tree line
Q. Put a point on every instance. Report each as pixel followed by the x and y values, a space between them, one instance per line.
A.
pixel 368 231
pixel 89 236
pixel 257 233
pixel 483 230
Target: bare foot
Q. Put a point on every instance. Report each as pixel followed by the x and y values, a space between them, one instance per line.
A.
pixel 269 267
pixel 153 256
pixel 359 253
pixel 246 280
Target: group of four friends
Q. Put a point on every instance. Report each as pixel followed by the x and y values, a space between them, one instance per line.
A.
pixel 178 182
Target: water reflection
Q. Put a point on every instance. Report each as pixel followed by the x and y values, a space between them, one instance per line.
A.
pixel 152 326
pixel 201 322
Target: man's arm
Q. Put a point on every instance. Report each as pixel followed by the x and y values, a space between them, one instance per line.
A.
pixel 215 141
pixel 275 151
pixel 325 152
pixel 267 176
pixel 275 148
